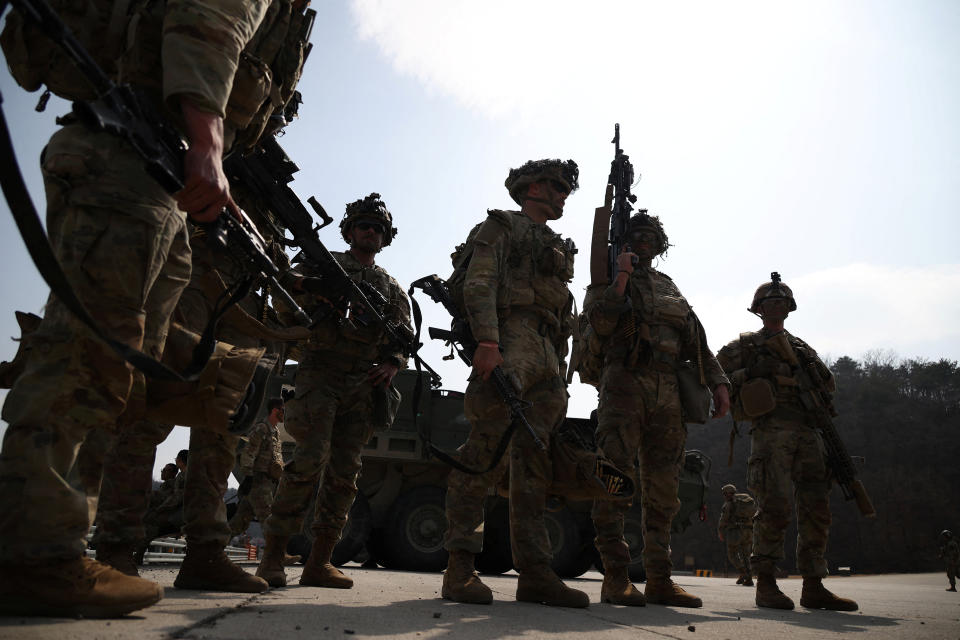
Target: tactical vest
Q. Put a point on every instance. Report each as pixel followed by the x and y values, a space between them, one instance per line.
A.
pixel 124 37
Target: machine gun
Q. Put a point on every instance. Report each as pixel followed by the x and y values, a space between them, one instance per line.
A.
pixel 461 338
pixel 816 400
pixel 266 173
pixel 621 179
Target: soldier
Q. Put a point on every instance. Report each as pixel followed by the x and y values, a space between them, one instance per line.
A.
pixel 785 450
pixel 649 330
pixel 736 529
pixel 519 308
pixel 261 461
pixel 167 476
pixel 950 552
pixel 343 394
pixel 163 517
pixel 122 241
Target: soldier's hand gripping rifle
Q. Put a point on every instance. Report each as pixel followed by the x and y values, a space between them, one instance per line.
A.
pixel 817 400
pixel 461 338
pixel 266 172
pixel 617 207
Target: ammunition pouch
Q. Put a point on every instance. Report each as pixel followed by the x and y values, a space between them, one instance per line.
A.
pixel 757 397
pixel 582 472
pixel 695 397
pixel 227 394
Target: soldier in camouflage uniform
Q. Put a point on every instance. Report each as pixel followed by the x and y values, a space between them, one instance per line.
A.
pixel 736 529
pixel 648 329
pixel 786 456
pixel 343 394
pixel 122 241
pixel 261 460
pixel 950 552
pixel 519 308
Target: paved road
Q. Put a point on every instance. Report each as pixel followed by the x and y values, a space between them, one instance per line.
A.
pixel 391 604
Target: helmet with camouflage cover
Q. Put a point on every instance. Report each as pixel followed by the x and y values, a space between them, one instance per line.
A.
pixel 946 534
pixel 643 220
pixel 532 171
pixel 728 488
pixel 370 209
pixel 773 289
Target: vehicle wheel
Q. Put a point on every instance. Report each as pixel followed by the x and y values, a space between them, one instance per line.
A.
pixel 588 558
pixel 300 545
pixel 496 557
pixel 355 532
pixel 565 541
pixel 413 537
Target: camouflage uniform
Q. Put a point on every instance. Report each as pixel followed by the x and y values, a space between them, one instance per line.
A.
pixel 515 294
pixel 122 242
pixel 950 552
pixel 164 517
pixel 786 457
pixel 647 333
pixel 262 460
pixel 737 530
pixel 335 409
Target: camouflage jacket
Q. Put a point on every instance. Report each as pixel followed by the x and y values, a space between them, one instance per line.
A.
pixel 749 357
pixel 351 345
pixel 519 266
pixel 175 499
pixel 950 552
pixel 262 453
pixel 652 325
pixel 737 513
pixel 161 493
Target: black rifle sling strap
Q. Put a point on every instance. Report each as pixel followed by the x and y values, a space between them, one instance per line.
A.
pixel 438 453
pixel 35 239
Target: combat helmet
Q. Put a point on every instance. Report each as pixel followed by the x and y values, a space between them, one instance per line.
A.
pixel 643 220
pixel 946 534
pixel 773 289
pixel 728 488
pixel 532 171
pixel 370 208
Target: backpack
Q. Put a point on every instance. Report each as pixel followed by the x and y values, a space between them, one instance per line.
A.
pixel 587 354
pixel 744 507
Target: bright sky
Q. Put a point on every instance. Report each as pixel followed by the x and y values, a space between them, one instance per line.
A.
pixel 817 138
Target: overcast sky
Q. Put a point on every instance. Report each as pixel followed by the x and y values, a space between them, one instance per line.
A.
pixel 817 138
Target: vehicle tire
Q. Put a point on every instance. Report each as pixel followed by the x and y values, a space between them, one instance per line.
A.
pixel 412 539
pixel 496 557
pixel 565 541
pixel 355 532
pixel 300 545
pixel 588 558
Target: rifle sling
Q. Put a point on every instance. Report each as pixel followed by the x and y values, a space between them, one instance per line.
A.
pixel 35 238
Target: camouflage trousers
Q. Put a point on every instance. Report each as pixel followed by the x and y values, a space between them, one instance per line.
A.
pixel 640 414
pixel 531 363
pixel 788 460
pixel 122 243
pixel 739 547
pixel 953 572
pixel 331 417
pixel 255 503
pixel 129 460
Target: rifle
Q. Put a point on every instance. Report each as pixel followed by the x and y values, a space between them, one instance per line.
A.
pixel 621 178
pixel 816 400
pixel 461 338
pixel 266 172
pixel 124 112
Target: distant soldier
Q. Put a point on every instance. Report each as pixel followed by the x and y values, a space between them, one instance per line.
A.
pixel 262 464
pixel 950 552
pixel 786 458
pixel 517 301
pixel 650 331
pixel 736 529
pixel 167 476
pixel 344 393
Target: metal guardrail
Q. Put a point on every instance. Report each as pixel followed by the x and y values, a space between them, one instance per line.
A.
pixel 167 550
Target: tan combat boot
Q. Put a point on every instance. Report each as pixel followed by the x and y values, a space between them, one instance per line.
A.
pixel 541 584
pixel 206 567
pixel 667 592
pixel 273 561
pixel 461 583
pixel 79 587
pixel 319 572
pixel 769 594
pixel 815 596
pixel 617 589
pixel 118 556
pixel 289 560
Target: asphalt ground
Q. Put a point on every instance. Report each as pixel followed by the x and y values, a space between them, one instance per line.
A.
pixel 395 604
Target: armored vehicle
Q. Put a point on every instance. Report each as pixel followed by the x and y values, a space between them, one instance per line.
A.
pixel 398 517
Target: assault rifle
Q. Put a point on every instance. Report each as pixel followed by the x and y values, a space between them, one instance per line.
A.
pixel 126 113
pixel 621 179
pixel 461 338
pixel 266 172
pixel 816 400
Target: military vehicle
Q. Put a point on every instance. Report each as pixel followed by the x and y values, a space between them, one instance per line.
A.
pixel 398 517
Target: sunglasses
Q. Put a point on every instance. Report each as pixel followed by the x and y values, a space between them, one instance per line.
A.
pixel 367 226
